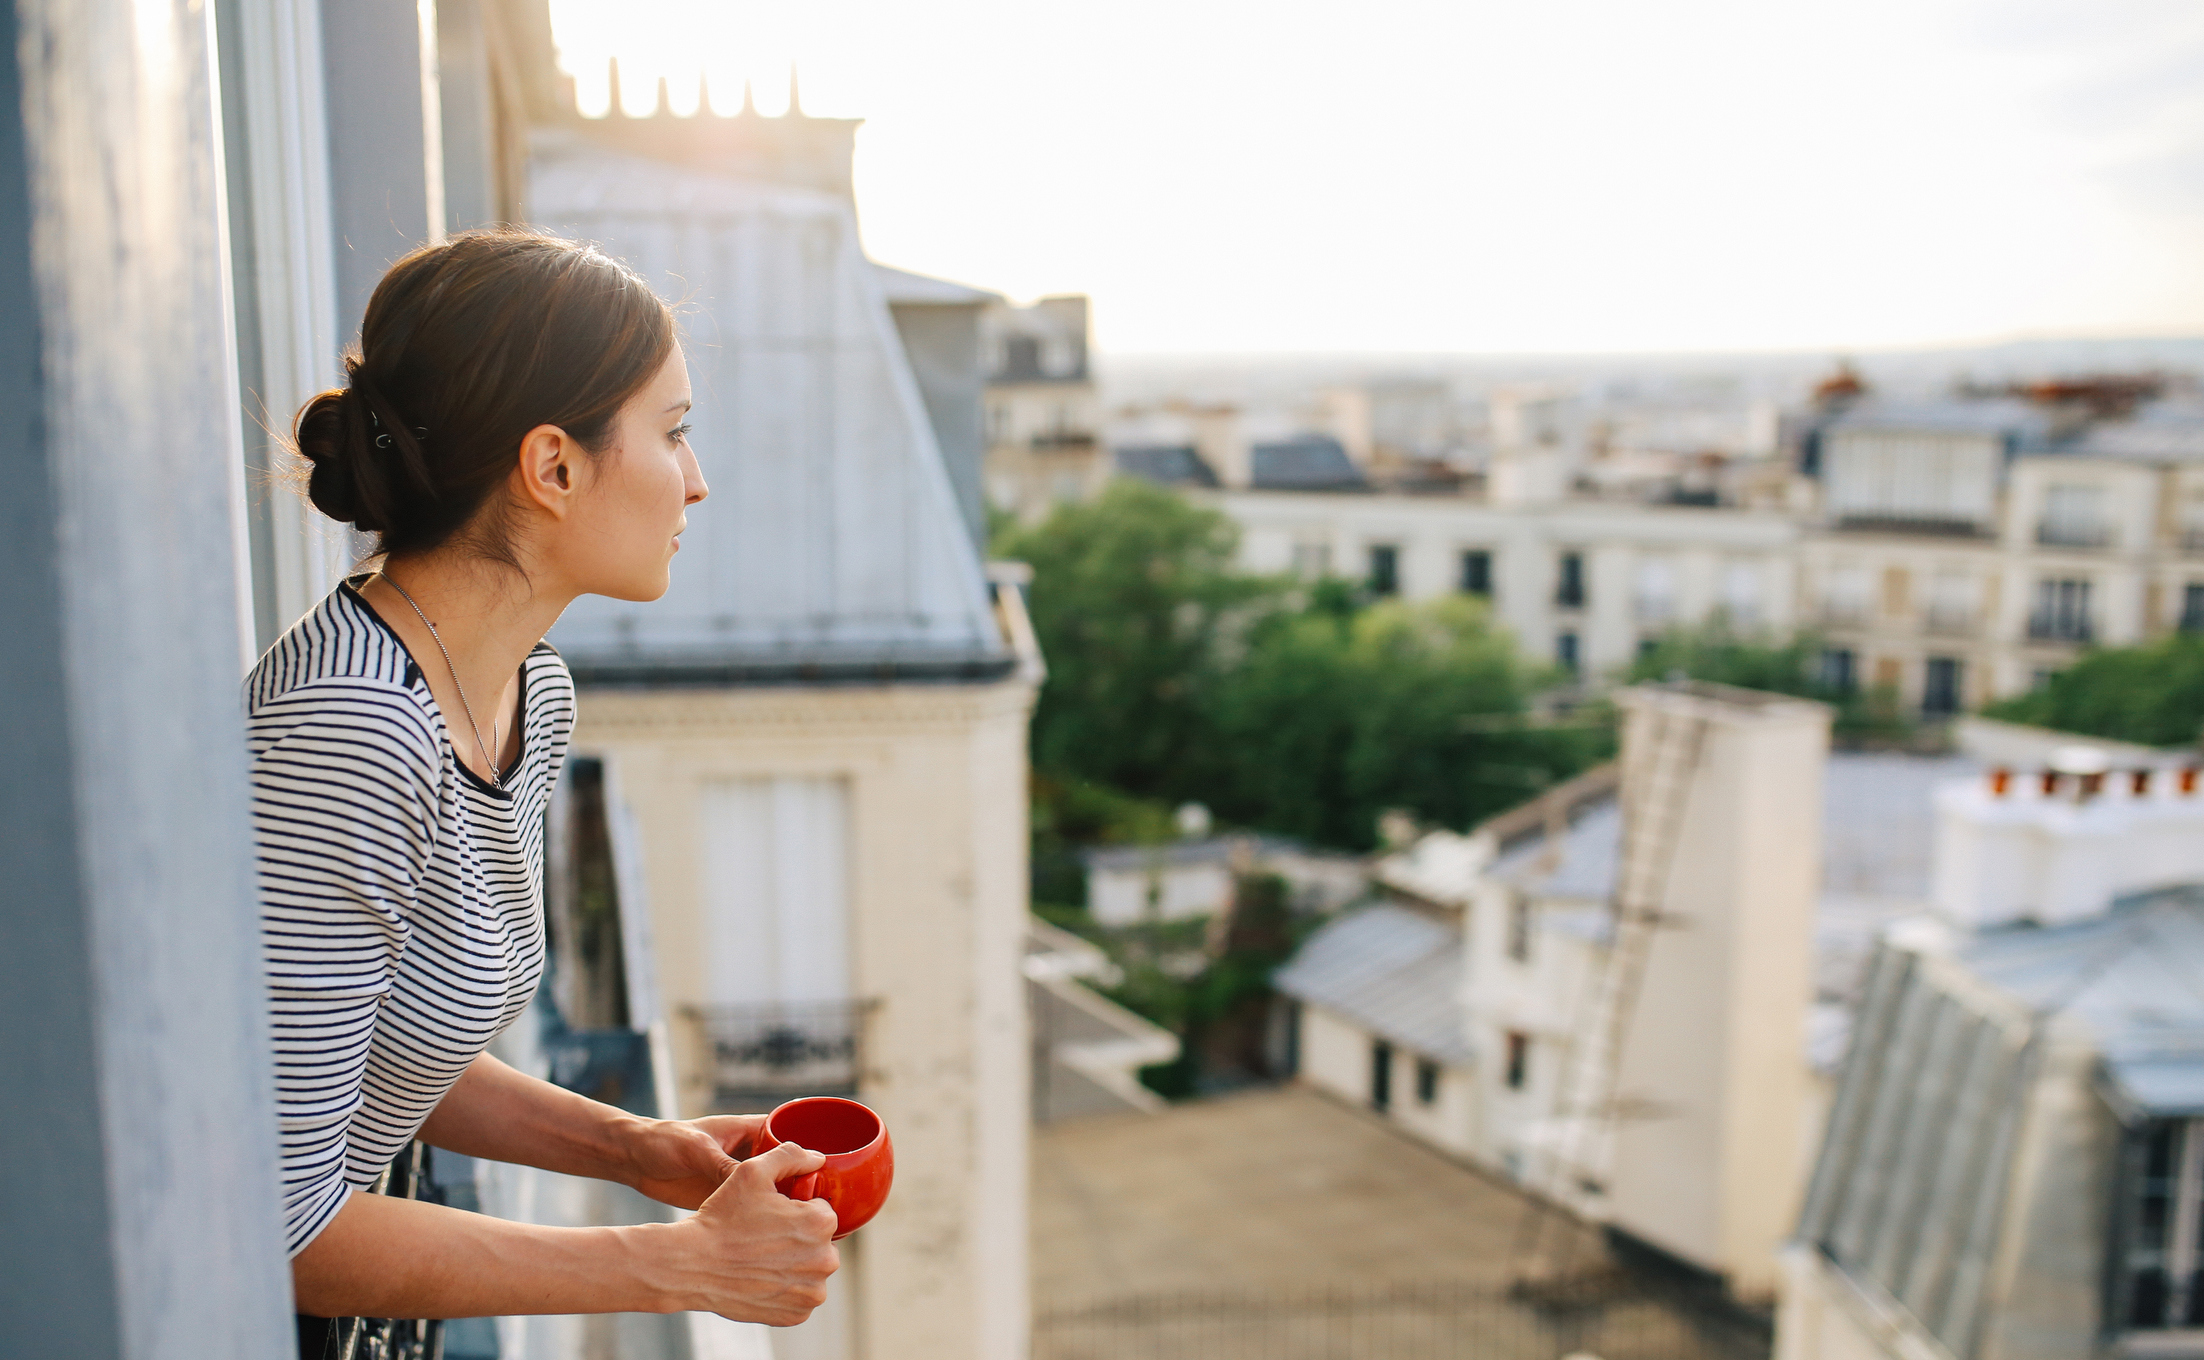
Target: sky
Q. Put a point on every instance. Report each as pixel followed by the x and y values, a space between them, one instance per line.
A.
pixel 1494 176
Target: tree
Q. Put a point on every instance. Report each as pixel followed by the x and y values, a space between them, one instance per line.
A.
pixel 1340 712
pixel 1716 652
pixel 2153 694
pixel 1134 601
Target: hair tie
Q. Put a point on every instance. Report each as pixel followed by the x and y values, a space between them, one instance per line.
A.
pixel 382 436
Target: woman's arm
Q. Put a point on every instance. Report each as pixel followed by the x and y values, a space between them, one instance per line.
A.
pixel 750 1253
pixel 495 1112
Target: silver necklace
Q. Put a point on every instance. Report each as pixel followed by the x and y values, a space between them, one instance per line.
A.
pixel 497 779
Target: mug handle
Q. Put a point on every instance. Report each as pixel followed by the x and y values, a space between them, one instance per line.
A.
pixel 805 1186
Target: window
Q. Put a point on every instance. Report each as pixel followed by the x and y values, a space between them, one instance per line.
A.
pixel 1519 929
pixel 1381 1076
pixel 1741 593
pixel 1569 590
pixel 1656 592
pixel 1519 1060
pixel 2062 612
pixel 1427 1082
pixel 1840 670
pixel 2158 1280
pixel 2192 608
pixel 2074 517
pixel 1647 646
pixel 1565 652
pixel 1940 687
pixel 1384 569
pixel 1477 572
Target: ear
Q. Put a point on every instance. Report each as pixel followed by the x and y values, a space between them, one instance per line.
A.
pixel 549 471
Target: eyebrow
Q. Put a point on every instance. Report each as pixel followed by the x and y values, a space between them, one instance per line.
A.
pixel 681 406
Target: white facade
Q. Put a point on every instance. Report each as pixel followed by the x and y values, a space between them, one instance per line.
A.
pixel 1639 568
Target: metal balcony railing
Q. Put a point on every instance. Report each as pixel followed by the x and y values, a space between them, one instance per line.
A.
pixel 2052 534
pixel 2060 628
pixel 755 1057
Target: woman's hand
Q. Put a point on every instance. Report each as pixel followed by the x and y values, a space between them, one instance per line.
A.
pixel 751 1253
pixel 682 1161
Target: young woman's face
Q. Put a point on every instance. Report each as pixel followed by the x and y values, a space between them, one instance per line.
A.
pixel 628 521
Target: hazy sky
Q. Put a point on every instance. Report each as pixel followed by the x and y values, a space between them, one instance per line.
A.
pixel 1569 175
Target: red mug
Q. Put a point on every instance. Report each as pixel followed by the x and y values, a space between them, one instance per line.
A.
pixel 860 1161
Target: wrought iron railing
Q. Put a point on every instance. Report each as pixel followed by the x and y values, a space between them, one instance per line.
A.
pixel 382 1338
pixel 2060 534
pixel 757 1056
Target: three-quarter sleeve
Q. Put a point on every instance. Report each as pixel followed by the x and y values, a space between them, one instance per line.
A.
pixel 345 789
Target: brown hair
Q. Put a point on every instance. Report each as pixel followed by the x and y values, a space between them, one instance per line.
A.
pixel 466 347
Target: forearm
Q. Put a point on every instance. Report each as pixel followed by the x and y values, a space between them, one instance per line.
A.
pixel 385 1257
pixel 496 1112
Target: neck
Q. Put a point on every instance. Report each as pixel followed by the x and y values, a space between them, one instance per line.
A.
pixel 486 615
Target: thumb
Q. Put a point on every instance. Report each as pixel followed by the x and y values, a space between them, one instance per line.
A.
pixel 784 1162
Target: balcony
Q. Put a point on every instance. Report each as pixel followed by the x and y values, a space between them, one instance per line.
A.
pixel 2191 540
pixel 2051 534
pixel 1844 614
pixel 758 1056
pixel 1913 526
pixel 2060 628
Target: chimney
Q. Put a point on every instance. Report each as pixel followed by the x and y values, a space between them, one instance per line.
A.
pixel 1220 437
pixel 2061 842
pixel 1712 1082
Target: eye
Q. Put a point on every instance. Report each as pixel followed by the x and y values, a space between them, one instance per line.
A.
pixel 680 432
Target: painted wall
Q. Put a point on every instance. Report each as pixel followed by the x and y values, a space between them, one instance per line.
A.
pixel 935 780
pixel 1711 1079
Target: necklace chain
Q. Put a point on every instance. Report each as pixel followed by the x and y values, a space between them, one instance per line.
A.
pixel 497 778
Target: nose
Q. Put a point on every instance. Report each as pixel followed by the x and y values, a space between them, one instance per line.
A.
pixel 693 488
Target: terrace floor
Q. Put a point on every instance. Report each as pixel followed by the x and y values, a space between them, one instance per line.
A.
pixel 1271 1189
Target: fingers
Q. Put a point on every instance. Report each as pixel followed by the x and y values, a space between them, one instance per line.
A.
pixel 784 1162
pixel 736 1134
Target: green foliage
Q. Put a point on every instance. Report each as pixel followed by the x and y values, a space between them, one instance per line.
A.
pixel 1301 710
pixel 1134 599
pixel 1717 653
pixel 1069 812
pixel 2153 694
pixel 1336 715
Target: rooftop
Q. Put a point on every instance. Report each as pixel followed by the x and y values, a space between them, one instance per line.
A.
pixel 834 548
pixel 1391 968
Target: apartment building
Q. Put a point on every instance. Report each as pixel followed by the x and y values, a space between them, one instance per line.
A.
pixel 1044 419
pixel 1583 584
pixel 2014 1164
pixel 820 731
pixel 1963 550
pixel 1461 1008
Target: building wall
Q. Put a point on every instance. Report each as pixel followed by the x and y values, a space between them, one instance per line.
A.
pixel 1822 1318
pixel 1701 548
pixel 1121 897
pixel 1538 997
pixel 1336 1057
pixel 937 890
pixel 1712 1082
pixel 1335 1054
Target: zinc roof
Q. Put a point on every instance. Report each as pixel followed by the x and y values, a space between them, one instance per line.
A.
pixel 831 546
pixel 1394 970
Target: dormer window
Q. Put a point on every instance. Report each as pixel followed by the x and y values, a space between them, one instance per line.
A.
pixel 2158 1275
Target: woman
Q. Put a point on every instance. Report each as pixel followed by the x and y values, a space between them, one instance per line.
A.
pixel 512 433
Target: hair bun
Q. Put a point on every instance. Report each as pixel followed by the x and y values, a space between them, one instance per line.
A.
pixel 332 436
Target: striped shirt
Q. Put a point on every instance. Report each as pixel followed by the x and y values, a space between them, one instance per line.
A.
pixel 400 894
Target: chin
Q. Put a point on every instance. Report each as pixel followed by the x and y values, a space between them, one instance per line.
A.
pixel 642 590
